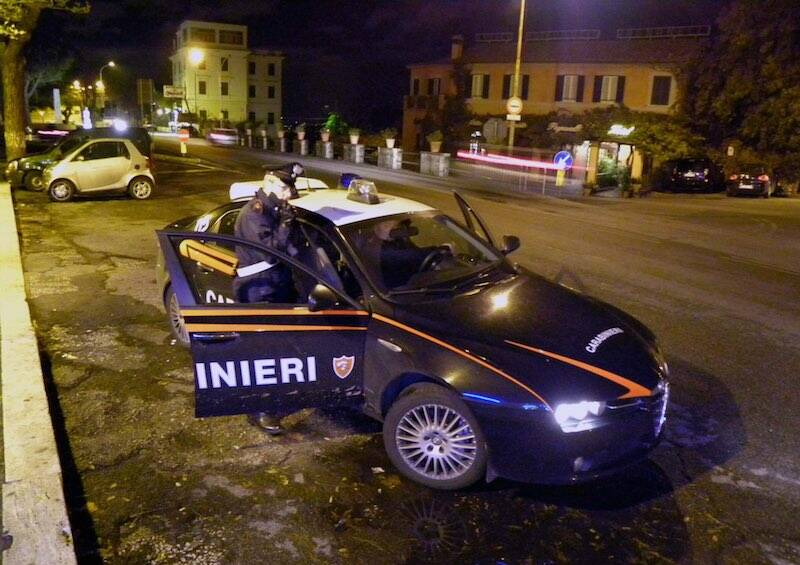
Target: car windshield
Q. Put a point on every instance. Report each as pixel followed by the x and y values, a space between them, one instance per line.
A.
pixel 417 252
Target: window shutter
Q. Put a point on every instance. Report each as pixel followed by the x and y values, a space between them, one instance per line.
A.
pixel 506 87
pixel 598 87
pixel 526 82
pixel 579 95
pixel 559 88
pixel 620 89
pixel 468 86
pixel 485 93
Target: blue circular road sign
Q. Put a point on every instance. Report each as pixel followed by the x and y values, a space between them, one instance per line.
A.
pixel 563 160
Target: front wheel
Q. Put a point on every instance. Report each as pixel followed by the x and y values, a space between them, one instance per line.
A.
pixel 432 438
pixel 61 191
pixel 34 182
pixel 140 188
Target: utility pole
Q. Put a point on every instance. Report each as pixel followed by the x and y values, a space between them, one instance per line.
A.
pixel 515 82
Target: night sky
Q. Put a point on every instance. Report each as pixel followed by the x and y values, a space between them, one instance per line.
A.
pixel 345 55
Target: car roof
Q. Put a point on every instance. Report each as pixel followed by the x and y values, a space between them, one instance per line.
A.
pixel 334 205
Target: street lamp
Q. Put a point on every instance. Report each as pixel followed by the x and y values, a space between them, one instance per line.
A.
pixel 101 86
pixel 517 62
pixel 196 58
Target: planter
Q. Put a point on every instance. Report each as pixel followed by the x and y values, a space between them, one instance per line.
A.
pixel 354 139
pixel 390 143
pixel 325 136
pixel 281 133
pixel 301 135
pixel 436 146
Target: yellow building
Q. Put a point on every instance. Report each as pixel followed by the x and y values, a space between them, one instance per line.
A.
pixel 224 79
pixel 565 71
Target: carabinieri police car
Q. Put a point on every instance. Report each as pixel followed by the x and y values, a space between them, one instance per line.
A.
pixel 478 368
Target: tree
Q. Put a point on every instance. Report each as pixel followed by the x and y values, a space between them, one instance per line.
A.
pixel 744 89
pixel 18 19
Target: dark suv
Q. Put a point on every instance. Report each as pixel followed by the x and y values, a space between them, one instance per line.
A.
pixel 693 175
pixel 27 171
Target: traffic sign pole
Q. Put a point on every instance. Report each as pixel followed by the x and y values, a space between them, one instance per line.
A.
pixel 183 136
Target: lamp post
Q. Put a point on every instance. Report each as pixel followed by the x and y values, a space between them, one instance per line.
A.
pixel 196 58
pixel 101 86
pixel 517 62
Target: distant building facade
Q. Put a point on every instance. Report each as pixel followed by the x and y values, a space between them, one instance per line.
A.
pixel 224 79
pixel 565 71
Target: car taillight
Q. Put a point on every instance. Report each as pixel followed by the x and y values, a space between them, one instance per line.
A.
pixel 149 163
pixel 763 178
pixel 733 177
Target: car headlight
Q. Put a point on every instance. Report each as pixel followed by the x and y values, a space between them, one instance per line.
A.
pixel 578 416
pixel 12 165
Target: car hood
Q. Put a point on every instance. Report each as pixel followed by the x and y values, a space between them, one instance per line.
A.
pixel 564 345
pixel 38 160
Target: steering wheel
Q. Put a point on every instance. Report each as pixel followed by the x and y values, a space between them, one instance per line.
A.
pixel 433 259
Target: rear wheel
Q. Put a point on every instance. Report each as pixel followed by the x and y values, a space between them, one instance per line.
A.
pixel 176 323
pixel 432 438
pixel 140 188
pixel 61 190
pixel 33 181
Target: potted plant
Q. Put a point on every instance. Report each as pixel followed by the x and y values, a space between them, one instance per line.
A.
pixel 389 135
pixel 354 134
pixel 300 130
pixel 325 134
pixel 435 139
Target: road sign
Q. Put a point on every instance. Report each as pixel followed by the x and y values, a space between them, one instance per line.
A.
pixel 513 117
pixel 563 160
pixel 514 105
pixel 183 135
pixel 171 91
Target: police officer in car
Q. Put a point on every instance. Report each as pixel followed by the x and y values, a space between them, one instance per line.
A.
pixel 268 219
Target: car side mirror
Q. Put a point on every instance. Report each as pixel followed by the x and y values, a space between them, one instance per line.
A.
pixel 321 298
pixel 80 158
pixel 510 243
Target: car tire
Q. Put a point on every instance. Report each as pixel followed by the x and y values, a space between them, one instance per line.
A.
pixel 140 188
pixel 33 181
pixel 450 429
pixel 177 325
pixel 61 190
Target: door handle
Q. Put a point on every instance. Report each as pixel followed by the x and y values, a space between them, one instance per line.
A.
pixel 216 337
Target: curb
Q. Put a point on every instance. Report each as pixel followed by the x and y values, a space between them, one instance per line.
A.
pixel 34 510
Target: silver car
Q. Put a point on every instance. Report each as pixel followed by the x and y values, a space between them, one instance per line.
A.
pixel 100 165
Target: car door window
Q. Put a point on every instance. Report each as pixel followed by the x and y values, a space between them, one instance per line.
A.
pixel 325 258
pixel 102 150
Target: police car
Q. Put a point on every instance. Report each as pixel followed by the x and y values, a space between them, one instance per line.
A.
pixel 478 368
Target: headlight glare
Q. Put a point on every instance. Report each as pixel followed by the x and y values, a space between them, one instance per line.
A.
pixel 577 416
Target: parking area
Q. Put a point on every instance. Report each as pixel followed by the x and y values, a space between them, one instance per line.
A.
pixel 716 278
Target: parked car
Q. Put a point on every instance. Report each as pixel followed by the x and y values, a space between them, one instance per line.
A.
pixel 694 175
pixel 223 136
pixel 477 367
pixel 27 171
pixel 100 165
pixel 754 180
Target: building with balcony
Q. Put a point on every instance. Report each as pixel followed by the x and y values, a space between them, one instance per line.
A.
pixel 223 79
pixel 564 71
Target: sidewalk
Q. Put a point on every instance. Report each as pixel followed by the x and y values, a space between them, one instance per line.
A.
pixel 34 511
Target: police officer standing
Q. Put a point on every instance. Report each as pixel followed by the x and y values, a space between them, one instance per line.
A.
pixel 268 219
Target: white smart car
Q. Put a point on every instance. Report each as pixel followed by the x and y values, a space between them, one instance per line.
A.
pixel 100 165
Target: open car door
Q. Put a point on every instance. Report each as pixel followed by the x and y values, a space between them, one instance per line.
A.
pixel 252 357
pixel 473 221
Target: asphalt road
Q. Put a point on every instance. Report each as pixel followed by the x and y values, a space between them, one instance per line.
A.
pixel 717 280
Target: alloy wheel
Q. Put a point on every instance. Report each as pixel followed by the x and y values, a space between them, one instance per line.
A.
pixel 436 441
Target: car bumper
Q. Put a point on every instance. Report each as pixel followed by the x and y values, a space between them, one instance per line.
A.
pixel 14 177
pixel 528 446
pixel 757 188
